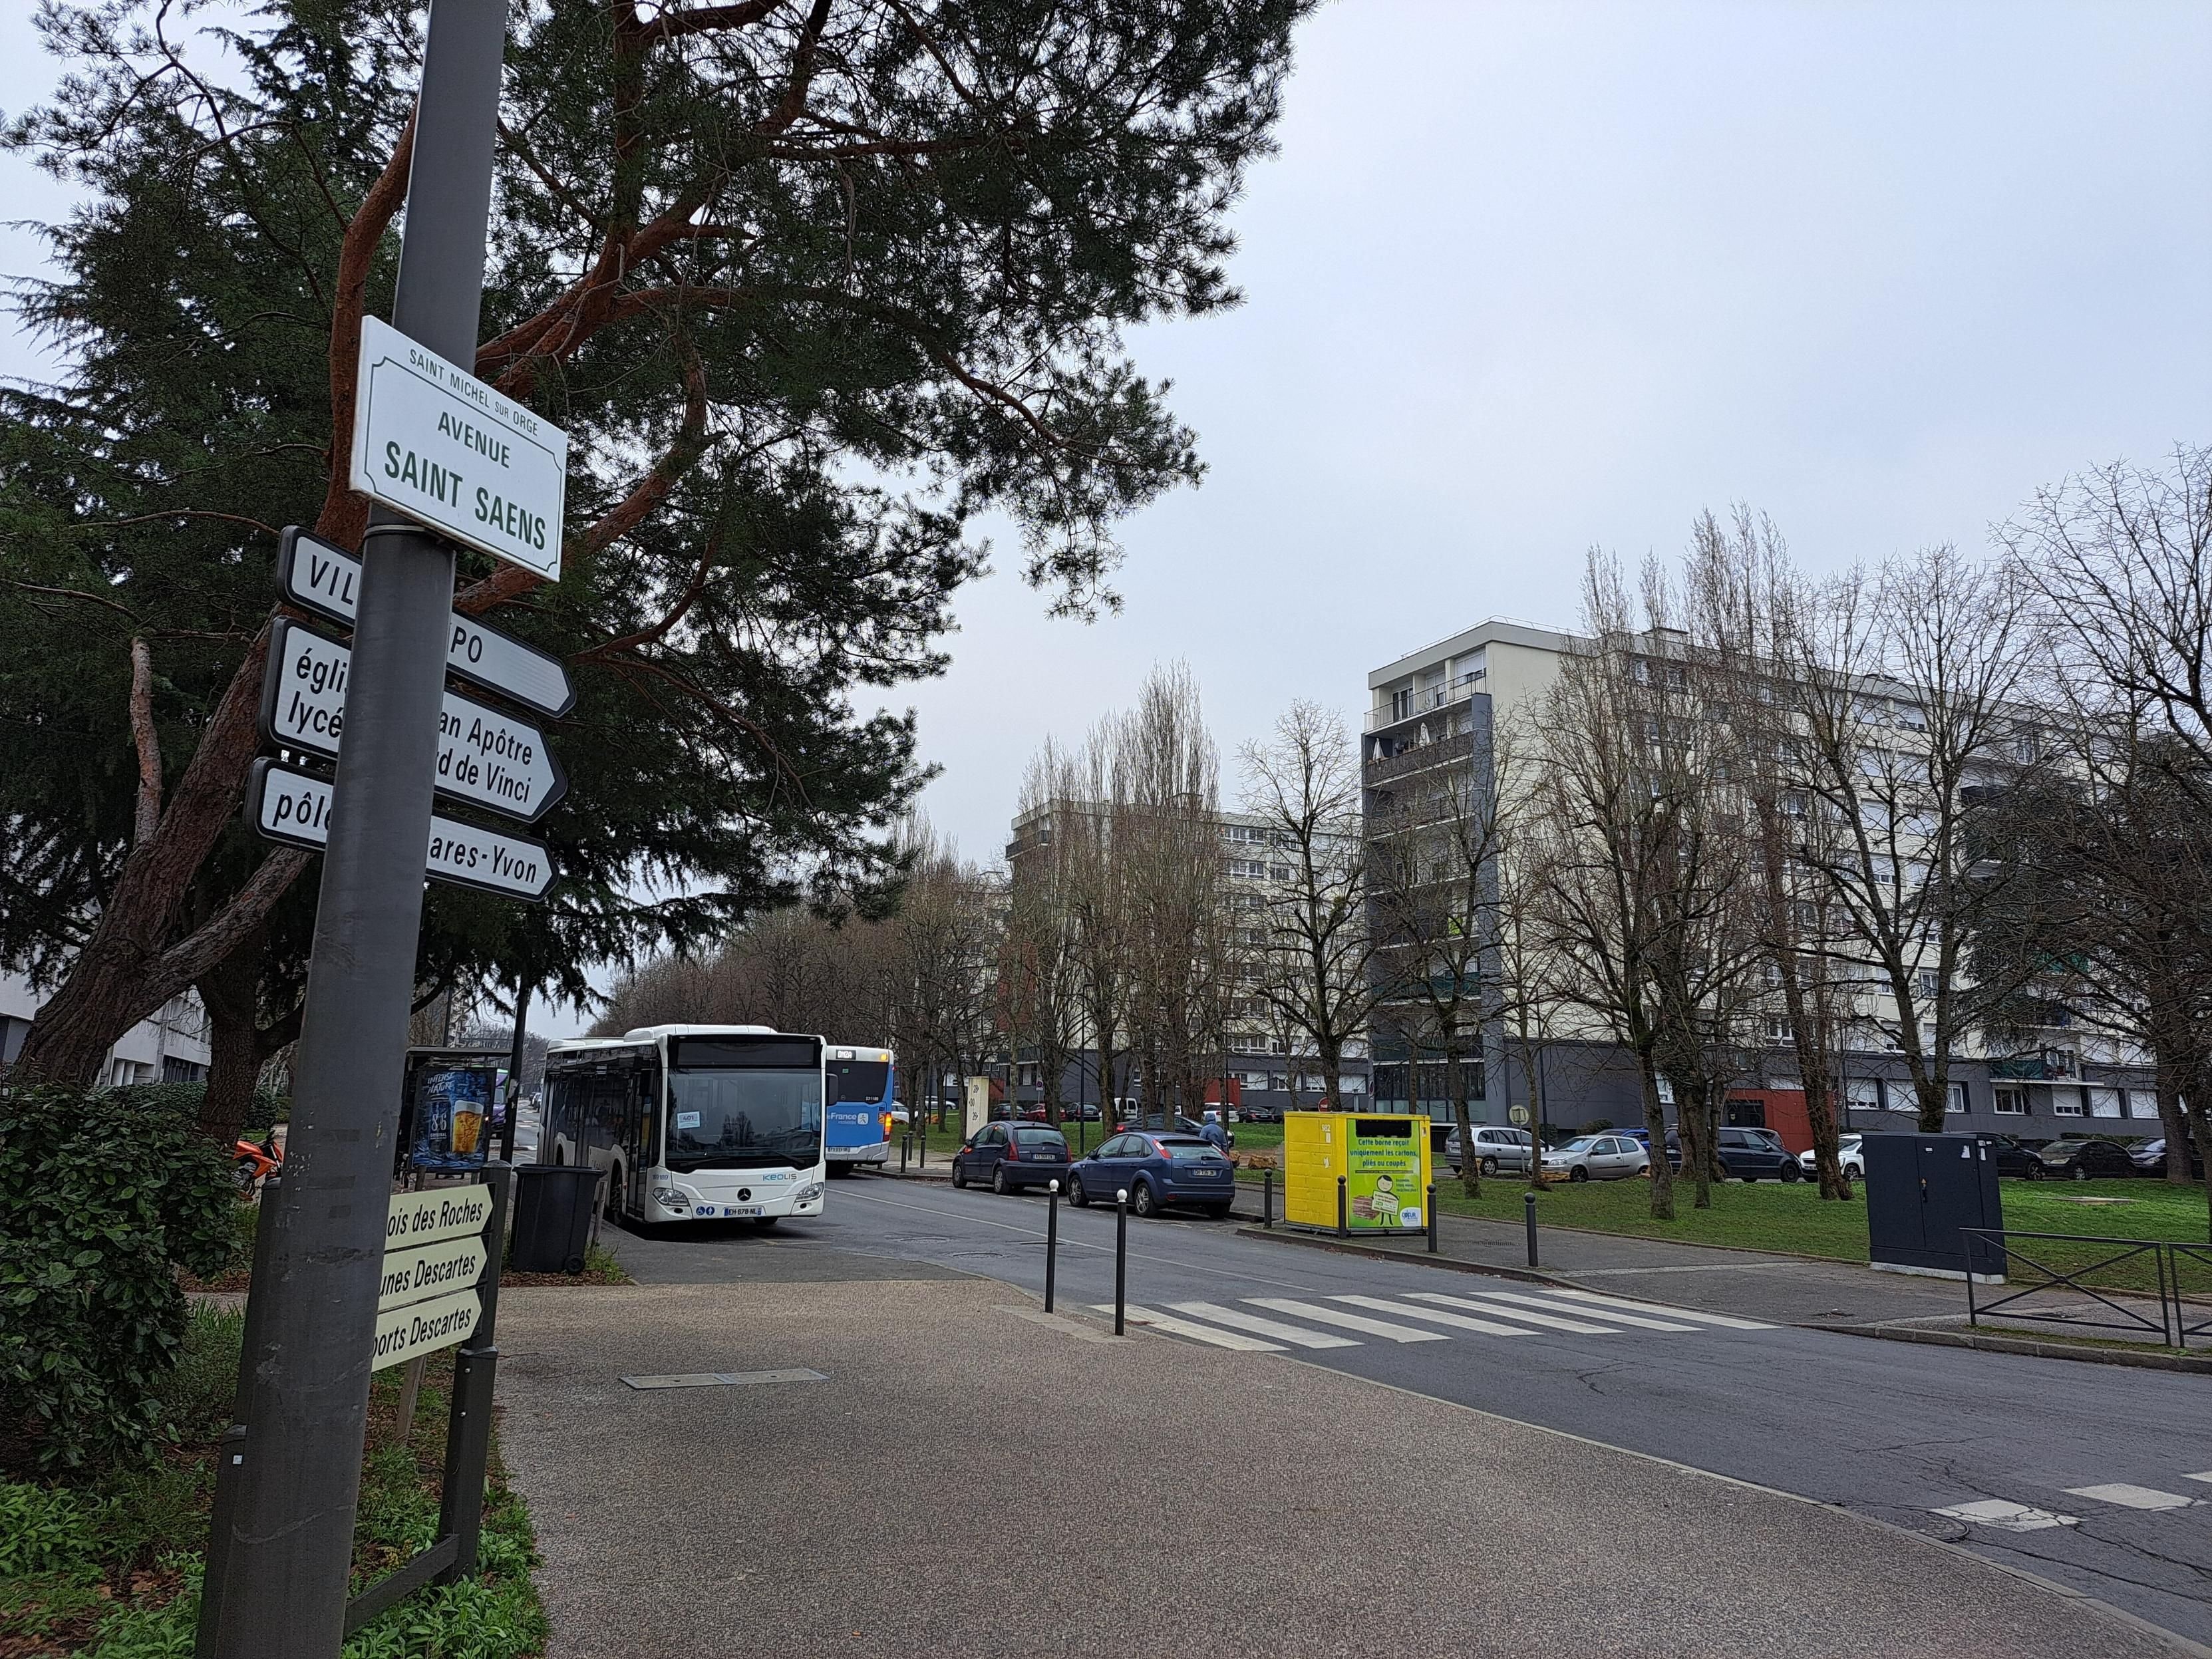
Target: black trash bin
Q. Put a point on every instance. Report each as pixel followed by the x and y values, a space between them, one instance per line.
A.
pixel 553 1205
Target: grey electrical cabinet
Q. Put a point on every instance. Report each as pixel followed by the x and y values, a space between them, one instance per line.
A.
pixel 1922 1192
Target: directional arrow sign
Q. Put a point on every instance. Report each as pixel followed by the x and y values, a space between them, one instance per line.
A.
pixel 424 1327
pixel 432 441
pixel 413 1219
pixel 325 580
pixel 293 806
pixel 484 757
pixel 435 1270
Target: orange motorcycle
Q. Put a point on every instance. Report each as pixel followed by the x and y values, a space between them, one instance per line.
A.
pixel 253 1161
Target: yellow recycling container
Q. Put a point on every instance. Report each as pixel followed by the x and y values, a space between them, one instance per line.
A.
pixel 1384 1158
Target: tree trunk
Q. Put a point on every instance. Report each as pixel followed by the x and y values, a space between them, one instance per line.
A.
pixel 231 992
pixel 108 985
pixel 1470 1166
pixel 2173 1118
pixel 1655 1125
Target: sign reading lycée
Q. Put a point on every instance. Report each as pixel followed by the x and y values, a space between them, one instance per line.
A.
pixel 435 443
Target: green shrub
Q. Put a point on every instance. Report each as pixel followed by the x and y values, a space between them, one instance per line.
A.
pixel 44 1529
pixel 104 1198
pixel 184 1100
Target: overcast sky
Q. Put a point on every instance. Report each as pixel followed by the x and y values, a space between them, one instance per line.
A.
pixel 1530 277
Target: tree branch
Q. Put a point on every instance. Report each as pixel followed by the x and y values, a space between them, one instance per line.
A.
pixel 345 514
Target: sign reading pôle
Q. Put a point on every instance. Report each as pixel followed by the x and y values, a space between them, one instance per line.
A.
pixel 285 803
pixel 433 443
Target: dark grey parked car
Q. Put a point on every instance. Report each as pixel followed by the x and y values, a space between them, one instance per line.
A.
pixel 1746 1155
pixel 1011 1156
pixel 1494 1150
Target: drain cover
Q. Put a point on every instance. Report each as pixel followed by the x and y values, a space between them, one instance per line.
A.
pixel 723 1379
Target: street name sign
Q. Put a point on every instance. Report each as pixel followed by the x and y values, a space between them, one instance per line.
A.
pixel 484 757
pixel 425 1327
pixel 433 443
pixel 326 581
pixel 285 803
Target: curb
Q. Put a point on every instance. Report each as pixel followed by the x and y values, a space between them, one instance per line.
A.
pixel 2200 1364
pixel 1382 1253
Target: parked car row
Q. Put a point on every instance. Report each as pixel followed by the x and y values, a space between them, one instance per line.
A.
pixel 1156 1169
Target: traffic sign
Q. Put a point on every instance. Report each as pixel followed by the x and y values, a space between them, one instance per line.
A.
pixel 418 1218
pixel 424 1327
pixel 287 804
pixel 327 580
pixel 484 757
pixel 435 1270
pixel 432 441
pixel 1518 1114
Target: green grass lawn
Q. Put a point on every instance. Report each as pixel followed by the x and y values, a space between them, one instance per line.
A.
pixel 1791 1216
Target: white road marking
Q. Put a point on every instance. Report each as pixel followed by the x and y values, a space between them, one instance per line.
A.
pixel 1350 1321
pixel 1243 1321
pixel 1160 1321
pixel 1728 1321
pixel 2132 1498
pixel 1550 1321
pixel 2206 1476
pixel 1434 1315
pixel 2012 1518
pixel 1637 1320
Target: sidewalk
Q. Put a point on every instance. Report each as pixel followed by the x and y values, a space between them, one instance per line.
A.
pixel 960 1474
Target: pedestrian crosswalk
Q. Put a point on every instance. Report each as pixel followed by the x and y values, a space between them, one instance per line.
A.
pixel 1286 1322
pixel 2006 1515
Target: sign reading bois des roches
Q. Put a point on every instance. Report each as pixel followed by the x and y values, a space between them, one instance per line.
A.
pixel 433 443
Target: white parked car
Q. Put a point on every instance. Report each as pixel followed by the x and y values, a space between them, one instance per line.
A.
pixel 1597 1158
pixel 1851 1152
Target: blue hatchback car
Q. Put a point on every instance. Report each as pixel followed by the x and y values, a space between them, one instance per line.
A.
pixel 1155 1170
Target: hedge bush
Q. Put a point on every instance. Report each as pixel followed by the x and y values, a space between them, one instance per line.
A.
pixel 105 1197
pixel 184 1100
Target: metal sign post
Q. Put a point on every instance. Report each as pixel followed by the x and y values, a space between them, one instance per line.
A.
pixel 289 1543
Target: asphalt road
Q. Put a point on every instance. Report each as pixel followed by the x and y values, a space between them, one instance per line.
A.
pixel 2097 1461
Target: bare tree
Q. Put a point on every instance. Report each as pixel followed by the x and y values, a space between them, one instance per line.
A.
pixel 1911 722
pixel 1303 791
pixel 1448 962
pixel 1039 979
pixel 1748 601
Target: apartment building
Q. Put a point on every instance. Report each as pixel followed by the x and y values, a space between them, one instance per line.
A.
pixel 1268 1063
pixel 171 1047
pixel 1429 732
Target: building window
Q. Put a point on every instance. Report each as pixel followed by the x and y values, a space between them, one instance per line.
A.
pixel 1863 1092
pixel 2065 1102
pixel 2012 1100
pixel 12 1033
pixel 2104 1102
pixel 2142 1102
pixel 1779 1029
pixel 1955 1097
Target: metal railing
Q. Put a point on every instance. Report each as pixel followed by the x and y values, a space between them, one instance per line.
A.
pixel 2090 1306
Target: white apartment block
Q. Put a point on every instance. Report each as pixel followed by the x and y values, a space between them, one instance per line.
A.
pixel 171 1047
pixel 1428 728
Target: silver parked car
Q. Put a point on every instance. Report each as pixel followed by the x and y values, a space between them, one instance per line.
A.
pixel 1494 1150
pixel 1850 1153
pixel 1598 1158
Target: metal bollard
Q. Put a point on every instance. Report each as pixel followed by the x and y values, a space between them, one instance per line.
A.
pixel 1051 1237
pixel 1343 1213
pixel 1120 1254
pixel 1529 1206
pixel 1433 1217
pixel 906 1143
pixel 1266 1197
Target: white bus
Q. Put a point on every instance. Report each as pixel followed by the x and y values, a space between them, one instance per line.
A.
pixel 693 1122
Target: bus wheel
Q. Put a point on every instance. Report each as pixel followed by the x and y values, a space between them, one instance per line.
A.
pixel 613 1210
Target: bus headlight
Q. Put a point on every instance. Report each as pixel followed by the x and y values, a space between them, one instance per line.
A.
pixel 807 1194
pixel 670 1199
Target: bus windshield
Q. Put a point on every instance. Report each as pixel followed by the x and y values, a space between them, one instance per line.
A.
pixel 730 1118
pixel 865 1082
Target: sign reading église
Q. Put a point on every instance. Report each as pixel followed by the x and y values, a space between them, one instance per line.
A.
pixel 433 443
